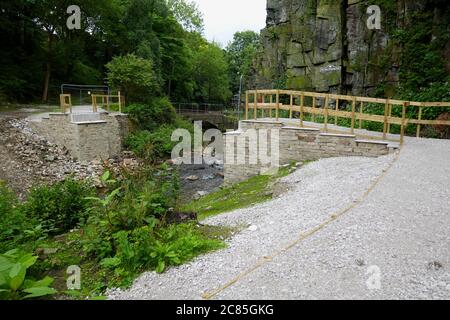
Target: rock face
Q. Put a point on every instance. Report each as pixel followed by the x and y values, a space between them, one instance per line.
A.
pixel 326 46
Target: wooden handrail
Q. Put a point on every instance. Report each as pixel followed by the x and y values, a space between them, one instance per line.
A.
pixel 326 111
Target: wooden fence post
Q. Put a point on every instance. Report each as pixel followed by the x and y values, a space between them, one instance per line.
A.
pixel 277 112
pixel 419 127
pixel 389 123
pixel 402 131
pixel 255 108
pixel 291 106
pixel 385 126
pixel 337 109
pixel 246 105
pixel 302 109
pixel 353 114
pixel 326 113
pixel 270 106
pixel 361 114
pixel 314 109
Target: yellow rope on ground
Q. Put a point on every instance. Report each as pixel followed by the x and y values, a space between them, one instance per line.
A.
pixel 303 236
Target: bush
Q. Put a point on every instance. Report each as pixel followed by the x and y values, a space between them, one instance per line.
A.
pixel 133 75
pixel 60 207
pixel 150 116
pixel 146 247
pixel 142 200
pixel 15 226
pixel 14 283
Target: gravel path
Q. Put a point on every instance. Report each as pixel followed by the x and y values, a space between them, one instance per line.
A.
pixel 401 231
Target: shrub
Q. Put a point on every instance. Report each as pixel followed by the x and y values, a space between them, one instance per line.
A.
pixel 13 222
pixel 133 75
pixel 142 200
pixel 157 112
pixel 59 207
pixel 14 284
pixel 158 249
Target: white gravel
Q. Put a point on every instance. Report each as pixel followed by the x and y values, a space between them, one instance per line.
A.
pixel 402 228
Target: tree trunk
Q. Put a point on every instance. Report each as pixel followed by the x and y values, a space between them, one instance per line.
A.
pixel 48 68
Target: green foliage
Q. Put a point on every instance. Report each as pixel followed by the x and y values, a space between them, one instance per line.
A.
pixel 14 283
pixel 15 226
pixel 149 116
pixel 145 248
pixel 240 54
pixel 154 123
pixel 187 14
pixel 59 207
pixel 211 74
pixel 252 191
pixel 132 75
pixel 142 200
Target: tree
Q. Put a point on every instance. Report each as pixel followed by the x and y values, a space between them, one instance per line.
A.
pixel 240 54
pixel 133 76
pixel 187 14
pixel 211 74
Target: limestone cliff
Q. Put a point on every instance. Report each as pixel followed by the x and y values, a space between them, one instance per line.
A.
pixel 326 46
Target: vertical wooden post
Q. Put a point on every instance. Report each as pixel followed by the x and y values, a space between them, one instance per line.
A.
pixel 302 109
pixel 263 111
pixel 270 106
pixel 255 107
pixel 94 103
pixel 246 105
pixel 419 126
pixel 389 123
pixel 120 102
pixel 353 114
pixel 326 113
pixel 361 114
pixel 277 112
pixel 291 106
pixel 337 109
pixel 70 103
pixel 314 109
pixel 402 130
pixel 386 110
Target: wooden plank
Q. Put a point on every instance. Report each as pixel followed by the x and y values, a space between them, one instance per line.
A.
pixel 270 109
pixel 353 115
pixel 358 99
pixel 326 111
pixel 302 106
pixel 389 116
pixel 402 130
pixel 246 105
pixel 291 106
pixel 361 109
pixel 419 127
pixel 255 109
pixel 277 112
pixel 337 109
pixel 314 107
pixel 385 122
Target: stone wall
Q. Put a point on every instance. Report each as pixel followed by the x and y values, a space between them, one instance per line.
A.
pixel 86 137
pixel 294 144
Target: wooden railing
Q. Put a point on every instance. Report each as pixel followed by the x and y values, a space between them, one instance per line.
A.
pixel 65 101
pixel 328 106
pixel 106 101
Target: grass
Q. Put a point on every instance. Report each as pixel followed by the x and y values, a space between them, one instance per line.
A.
pixel 245 194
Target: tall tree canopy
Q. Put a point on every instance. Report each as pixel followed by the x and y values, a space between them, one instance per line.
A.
pixel 41 53
pixel 240 54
